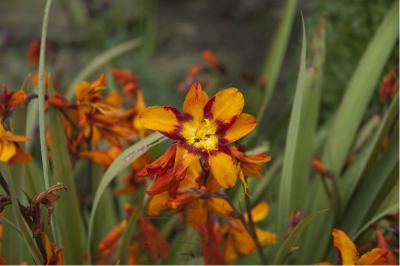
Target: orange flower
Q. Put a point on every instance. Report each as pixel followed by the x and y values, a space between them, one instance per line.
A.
pixel 102 157
pixel 33 52
pixel 383 245
pixel 204 130
pixel 249 163
pixel 195 74
pixel 10 151
pixel 110 242
pixel 348 254
pixel 239 242
pixel 53 256
pixel 127 79
pixel 131 181
pixel 211 243
pixel 98 116
pixel 389 86
pixel 152 240
pixel 11 100
pixel 140 105
pixel 89 99
pixel 320 168
pixel 213 61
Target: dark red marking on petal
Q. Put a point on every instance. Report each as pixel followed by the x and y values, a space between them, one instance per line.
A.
pixel 208 108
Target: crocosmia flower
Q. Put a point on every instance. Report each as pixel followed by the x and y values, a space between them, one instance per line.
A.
pixel 348 254
pixel 204 129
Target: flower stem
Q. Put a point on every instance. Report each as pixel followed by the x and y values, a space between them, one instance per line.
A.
pixel 252 230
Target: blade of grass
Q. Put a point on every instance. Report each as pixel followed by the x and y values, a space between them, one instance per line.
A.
pixel 373 190
pixel 12 225
pixel 353 176
pixel 360 91
pixel 67 212
pixel 347 119
pixel 23 227
pixel 291 240
pixel 292 151
pixel 42 105
pixel 276 53
pixel 101 60
pixel 309 117
pixel 41 93
pixel 15 250
pixel 129 231
pixel 106 213
pixel 389 206
pixel 122 161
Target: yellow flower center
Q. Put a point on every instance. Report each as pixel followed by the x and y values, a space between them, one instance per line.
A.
pixel 200 134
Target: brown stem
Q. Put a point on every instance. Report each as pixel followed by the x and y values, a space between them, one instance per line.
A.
pixel 252 230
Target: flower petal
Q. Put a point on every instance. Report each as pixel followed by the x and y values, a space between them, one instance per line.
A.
pixel 160 165
pixel 346 249
pixel 8 150
pixel 183 159
pixel 160 118
pixel 162 183
pixel 220 206
pixel 223 169
pixel 193 173
pixel 20 156
pixel 197 214
pixel 230 253
pixel 195 101
pixel 250 158
pixel 243 241
pixel 266 238
pixel 225 106
pixel 156 203
pixel 243 125
pixel 259 212
pixel 376 256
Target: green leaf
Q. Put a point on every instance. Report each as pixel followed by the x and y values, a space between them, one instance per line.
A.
pixel 19 220
pixel 67 213
pixel 298 147
pixel 373 190
pixel 101 60
pixel 277 52
pixel 359 91
pixel 293 237
pixel 127 235
pixel 358 169
pixel 15 250
pixel 185 247
pixel 12 225
pixel 41 94
pixel 123 160
pixel 106 213
pixel 389 206
pixel 346 123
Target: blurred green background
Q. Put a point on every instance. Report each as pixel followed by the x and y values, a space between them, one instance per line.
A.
pixel 175 33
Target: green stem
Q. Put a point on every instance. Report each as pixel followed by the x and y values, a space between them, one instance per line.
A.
pixel 41 96
pixel 41 107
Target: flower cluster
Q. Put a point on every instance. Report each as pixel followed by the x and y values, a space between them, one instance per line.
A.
pixel 191 176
